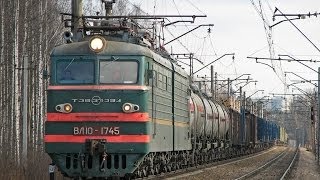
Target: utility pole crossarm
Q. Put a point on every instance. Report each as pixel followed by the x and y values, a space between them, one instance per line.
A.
pixel 214 61
pixel 302 16
pixel 254 93
pixel 309 81
pixel 298 60
pixel 241 87
pixel 231 80
pixel 286 17
pixel 303 92
pixel 137 16
pixel 281 59
pixel 187 33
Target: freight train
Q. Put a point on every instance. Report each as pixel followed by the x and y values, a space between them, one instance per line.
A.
pixel 117 107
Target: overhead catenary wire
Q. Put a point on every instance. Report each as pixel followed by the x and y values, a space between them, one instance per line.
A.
pixel 168 30
pixel 212 46
pixel 205 39
pixel 269 6
pixel 269 36
pixel 202 48
pixel 268 32
pixel 196 7
pixel 135 6
pixel 175 5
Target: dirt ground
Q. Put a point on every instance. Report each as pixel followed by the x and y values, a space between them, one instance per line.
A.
pixel 307 167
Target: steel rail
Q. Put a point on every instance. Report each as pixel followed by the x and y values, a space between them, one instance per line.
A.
pixel 199 168
pixel 261 167
pixel 291 164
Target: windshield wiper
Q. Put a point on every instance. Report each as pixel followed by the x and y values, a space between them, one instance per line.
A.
pixel 68 65
pixel 113 60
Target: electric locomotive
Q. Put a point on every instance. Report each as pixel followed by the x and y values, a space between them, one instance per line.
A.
pixel 112 100
pixel 116 107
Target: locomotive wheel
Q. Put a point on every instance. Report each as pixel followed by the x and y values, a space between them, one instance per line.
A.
pixel 151 172
pixel 165 169
pixel 169 168
pixel 157 171
pixel 144 172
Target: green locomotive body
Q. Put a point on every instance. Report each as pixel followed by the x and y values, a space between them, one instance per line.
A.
pixel 89 131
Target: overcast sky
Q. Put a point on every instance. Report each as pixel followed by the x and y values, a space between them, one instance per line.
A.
pixel 238 28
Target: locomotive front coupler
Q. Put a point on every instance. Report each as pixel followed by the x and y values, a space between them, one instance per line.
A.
pixel 95 146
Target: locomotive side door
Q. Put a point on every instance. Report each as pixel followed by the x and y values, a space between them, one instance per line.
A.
pixel 150 81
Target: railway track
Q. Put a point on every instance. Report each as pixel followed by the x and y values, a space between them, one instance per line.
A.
pixel 277 168
pixel 194 171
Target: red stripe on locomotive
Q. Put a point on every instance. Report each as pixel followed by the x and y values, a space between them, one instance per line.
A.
pixel 98 87
pixel 110 139
pixel 98 117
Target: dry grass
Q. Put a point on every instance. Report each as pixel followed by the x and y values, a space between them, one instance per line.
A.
pixel 37 168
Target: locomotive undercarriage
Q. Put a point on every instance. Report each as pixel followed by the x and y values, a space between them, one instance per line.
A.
pixel 156 163
pixel 162 162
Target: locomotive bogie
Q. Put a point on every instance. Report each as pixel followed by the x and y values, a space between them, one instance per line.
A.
pixel 75 165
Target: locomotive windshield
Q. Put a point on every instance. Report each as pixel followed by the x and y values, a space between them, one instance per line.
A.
pixel 75 72
pixel 118 72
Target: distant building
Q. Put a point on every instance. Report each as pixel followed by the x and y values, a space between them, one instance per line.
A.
pixel 276 104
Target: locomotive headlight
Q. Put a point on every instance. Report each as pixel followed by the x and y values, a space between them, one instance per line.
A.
pixel 127 107
pixel 97 43
pixel 67 108
pixel 64 108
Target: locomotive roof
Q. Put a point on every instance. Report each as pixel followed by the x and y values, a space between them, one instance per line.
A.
pixel 112 48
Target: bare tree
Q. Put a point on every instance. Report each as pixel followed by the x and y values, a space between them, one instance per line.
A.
pixel 28 30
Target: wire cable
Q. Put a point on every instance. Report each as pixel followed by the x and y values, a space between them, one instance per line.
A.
pixel 196 7
pixel 175 5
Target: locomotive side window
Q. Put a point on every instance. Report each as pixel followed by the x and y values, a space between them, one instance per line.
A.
pixel 147 74
pixel 75 72
pixel 169 84
pixel 118 72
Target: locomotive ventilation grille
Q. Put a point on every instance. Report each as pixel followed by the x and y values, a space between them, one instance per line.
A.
pixel 112 161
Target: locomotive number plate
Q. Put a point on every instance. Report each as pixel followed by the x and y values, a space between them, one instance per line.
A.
pixel 96 131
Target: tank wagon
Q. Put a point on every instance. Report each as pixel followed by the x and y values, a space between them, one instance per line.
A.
pixel 117 107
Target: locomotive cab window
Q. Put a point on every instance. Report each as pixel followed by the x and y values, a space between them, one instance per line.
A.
pixel 75 72
pixel 118 72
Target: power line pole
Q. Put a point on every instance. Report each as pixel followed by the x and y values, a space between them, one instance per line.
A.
pixel 318 113
pixel 215 85
pixel 212 84
pixel 191 66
